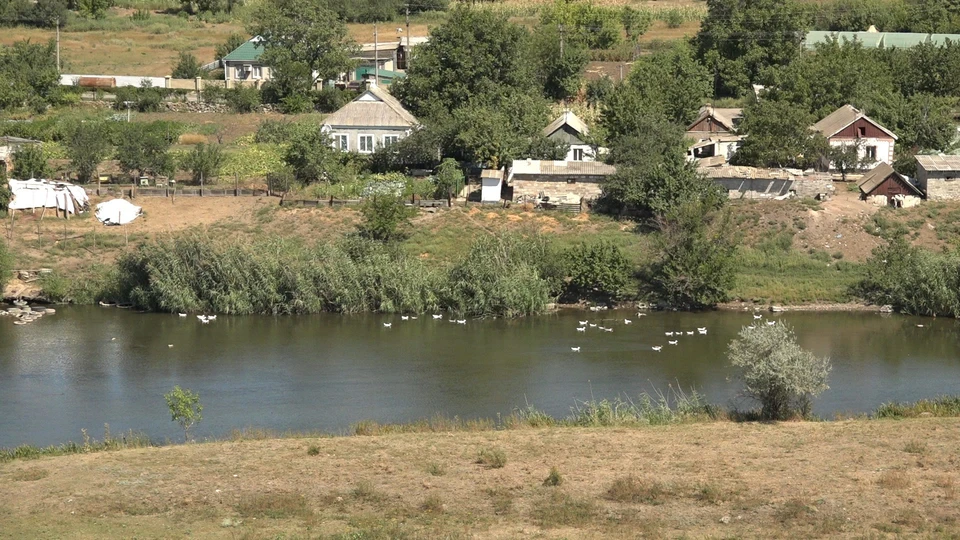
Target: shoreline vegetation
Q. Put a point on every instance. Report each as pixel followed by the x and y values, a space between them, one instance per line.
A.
pixel 660 409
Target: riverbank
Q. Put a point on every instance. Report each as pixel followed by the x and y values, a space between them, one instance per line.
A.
pixel 803 479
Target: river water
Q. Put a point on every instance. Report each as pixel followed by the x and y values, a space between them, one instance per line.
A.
pixel 86 366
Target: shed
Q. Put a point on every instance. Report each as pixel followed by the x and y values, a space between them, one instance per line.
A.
pixel 939 176
pixel 886 182
pixel 491 185
pixel 558 179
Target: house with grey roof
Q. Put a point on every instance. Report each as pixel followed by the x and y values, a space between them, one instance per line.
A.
pixel 374 119
pixel 849 126
pixel 569 128
pixel 939 176
pixel 570 181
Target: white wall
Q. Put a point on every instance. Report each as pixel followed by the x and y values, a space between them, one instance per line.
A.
pixel 884 150
pixel 588 153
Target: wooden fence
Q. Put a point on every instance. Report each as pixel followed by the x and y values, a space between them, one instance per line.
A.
pixel 194 192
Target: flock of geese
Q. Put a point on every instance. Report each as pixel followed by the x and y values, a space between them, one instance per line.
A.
pixel 414 317
pixel 205 319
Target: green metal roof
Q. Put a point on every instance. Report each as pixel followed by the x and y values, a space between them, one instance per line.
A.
pixel 874 40
pixel 248 52
pixel 385 73
pixel 904 40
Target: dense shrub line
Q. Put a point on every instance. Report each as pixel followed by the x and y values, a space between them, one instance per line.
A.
pixel 913 280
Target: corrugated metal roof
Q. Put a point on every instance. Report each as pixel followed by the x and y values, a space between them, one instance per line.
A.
pixel 873 40
pixel 248 52
pixel 562 168
pixel 570 119
pixel 373 108
pixel 843 117
pixel 939 163
pixel 754 173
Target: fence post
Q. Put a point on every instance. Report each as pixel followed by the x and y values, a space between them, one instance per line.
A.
pixel 166 81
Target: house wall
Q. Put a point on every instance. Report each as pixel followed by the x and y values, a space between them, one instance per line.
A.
pixel 530 186
pixel 707 125
pixel 871 131
pixel 353 134
pixel 939 186
pixel 884 149
pixel 588 154
pixel 890 187
pixel 231 72
pixel 761 188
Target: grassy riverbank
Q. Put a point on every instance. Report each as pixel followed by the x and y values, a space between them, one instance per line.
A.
pixel 805 479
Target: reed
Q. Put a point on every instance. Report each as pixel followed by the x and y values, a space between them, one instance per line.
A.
pixel 109 442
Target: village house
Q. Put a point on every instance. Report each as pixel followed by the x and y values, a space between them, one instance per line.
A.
pixel 570 129
pixel 849 126
pixel 385 61
pixel 374 119
pixel 885 186
pixel 557 180
pixel 939 176
pixel 713 136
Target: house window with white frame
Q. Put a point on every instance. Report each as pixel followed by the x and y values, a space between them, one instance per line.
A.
pixel 578 154
pixel 257 72
pixel 366 144
pixel 389 140
pixel 871 153
pixel 340 142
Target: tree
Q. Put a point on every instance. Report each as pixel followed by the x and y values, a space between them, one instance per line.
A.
pixel 697 256
pixel 50 13
pixel 233 41
pixel 449 178
pixel 95 9
pixel 777 134
pixel 5 194
pixel 185 409
pixel 303 42
pixel 144 149
pixel 29 74
pixel 204 162
pixel 739 39
pixel 560 62
pixel 473 55
pixel 777 372
pixel 188 67
pixel 635 23
pixel 88 145
pixel 598 27
pixel 655 77
pixel 383 217
pixel 597 269
pixel 311 158
pixel 846 158
pixel 29 162
pixel 655 190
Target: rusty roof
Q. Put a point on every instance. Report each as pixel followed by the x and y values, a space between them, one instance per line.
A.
pixel 939 163
pixel 725 116
pixel 843 117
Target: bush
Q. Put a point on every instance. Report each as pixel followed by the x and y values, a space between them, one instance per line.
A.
pixel 777 372
pixel 6 265
pixel 29 162
pixel 493 458
pixel 331 99
pixel 553 479
pixel 188 67
pixel 599 269
pixel 913 280
pixel 213 93
pixel 243 99
pixel 383 218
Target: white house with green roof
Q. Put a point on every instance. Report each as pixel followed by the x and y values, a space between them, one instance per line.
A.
pixel 243 66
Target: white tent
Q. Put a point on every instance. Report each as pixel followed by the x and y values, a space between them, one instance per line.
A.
pixel 117 212
pixel 33 193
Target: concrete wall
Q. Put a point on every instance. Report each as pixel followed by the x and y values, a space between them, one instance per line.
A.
pixel 531 186
pixel 121 80
pixel 940 188
pixel 743 188
pixel 588 154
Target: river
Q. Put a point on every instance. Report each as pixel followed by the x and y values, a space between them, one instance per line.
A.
pixel 87 366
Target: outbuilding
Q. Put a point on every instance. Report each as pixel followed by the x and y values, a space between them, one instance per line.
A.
pixel 939 176
pixel 884 182
pixel 491 185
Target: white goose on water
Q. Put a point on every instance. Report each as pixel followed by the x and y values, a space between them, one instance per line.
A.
pixel 668 333
pixel 674 342
pixel 387 324
pixel 404 318
pixel 758 316
pixel 627 321
pixel 657 348
pixel 702 331
pixel 181 314
pixel 593 325
pixel 202 318
pixel 461 321
pixel 440 316
pixel 211 317
pixel 581 329
pixel 583 323
pixel 575 349
pixel 771 323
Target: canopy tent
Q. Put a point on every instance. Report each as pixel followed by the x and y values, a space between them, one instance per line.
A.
pixel 34 193
pixel 117 212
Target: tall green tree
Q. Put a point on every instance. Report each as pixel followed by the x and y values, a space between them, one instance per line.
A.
pixel 204 162
pixel 28 75
pixel 474 54
pixel 739 39
pixel 144 149
pixel 311 158
pixel 656 78
pixel 88 144
pixel 188 67
pixel 778 134
pixel 560 62
pixel 654 189
pixel 29 162
pixel 233 41
pixel 597 26
pixel 304 42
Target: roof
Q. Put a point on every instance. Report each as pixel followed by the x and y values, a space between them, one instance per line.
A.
pixel 248 52
pixel 843 117
pixel 562 168
pixel 383 73
pixel 569 119
pixel 491 173
pixel 755 173
pixel 881 172
pixel 875 40
pixel 725 116
pixel 373 108
pixel 939 163
pixel 8 140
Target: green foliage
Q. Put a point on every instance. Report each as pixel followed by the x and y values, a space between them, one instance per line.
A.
pixel 558 70
pixel 597 269
pixel 304 42
pixel 146 98
pixel 48 13
pixel 94 9
pixel 553 479
pixel 777 372
pixel 87 147
pixel 596 26
pixel 913 280
pixel 185 408
pixel 449 178
pixel 204 162
pixel 29 162
pixel 233 41
pixel 282 131
pixel 188 67
pixel 312 159
pixel 383 218
pixel 6 258
pixel 777 134
pixel 5 194
pixel 331 99
pixel 635 22
pixel 253 160
pixel 144 149
pixel 598 89
pixel 740 39
pixel 209 6
pixel 242 99
pixel 697 256
pixel 494 458
pixel 655 76
pixel 29 74
pixel 940 407
pixel 656 187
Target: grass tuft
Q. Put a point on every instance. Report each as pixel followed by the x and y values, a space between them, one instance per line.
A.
pixel 436 469
pixel 313 450
pixel 433 504
pixel 630 489
pixel 274 505
pixel 915 447
pixel 493 458
pixel 29 475
pixel 559 509
pixel 553 479
pixel 893 480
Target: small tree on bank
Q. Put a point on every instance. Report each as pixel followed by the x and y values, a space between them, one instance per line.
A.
pixel 185 409
pixel 777 372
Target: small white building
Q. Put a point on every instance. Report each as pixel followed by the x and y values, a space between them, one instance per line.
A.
pixel 491 185
pixel 849 126
pixel 939 176
pixel 569 128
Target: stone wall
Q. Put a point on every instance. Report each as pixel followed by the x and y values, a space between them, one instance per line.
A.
pixel 587 189
pixel 766 188
pixel 939 189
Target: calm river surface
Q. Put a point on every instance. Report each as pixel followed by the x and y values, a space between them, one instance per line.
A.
pixel 86 366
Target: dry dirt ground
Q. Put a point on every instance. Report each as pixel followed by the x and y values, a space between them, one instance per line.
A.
pixel 843 479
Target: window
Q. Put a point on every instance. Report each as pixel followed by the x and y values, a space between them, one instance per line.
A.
pixel 861 131
pixel 257 72
pixel 366 144
pixel 340 142
pixel 390 139
pixel 871 153
pixel 578 154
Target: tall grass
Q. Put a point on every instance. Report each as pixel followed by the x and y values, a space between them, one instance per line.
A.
pixel 943 406
pixel 130 439
pixel 792 277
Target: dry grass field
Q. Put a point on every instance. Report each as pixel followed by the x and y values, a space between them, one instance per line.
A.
pixel 843 479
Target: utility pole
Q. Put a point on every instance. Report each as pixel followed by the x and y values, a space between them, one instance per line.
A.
pixel 408 36
pixel 58 45
pixel 376 57
pixel 561 40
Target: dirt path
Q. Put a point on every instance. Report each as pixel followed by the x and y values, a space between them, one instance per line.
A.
pixel 836 479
